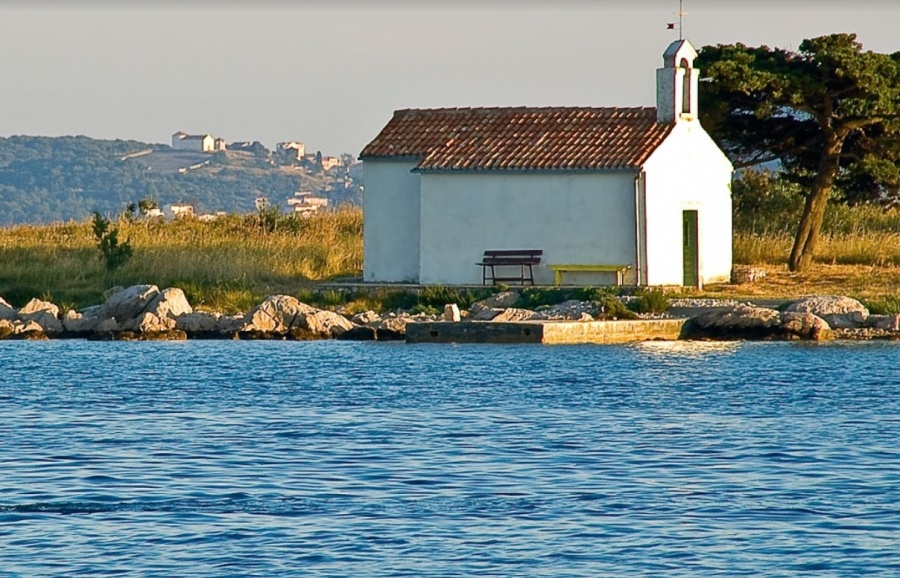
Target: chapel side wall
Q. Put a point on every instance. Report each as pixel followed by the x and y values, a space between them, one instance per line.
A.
pixel 688 172
pixel 391 222
pixel 585 218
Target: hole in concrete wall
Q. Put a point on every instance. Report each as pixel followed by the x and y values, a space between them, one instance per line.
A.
pixel 526 332
pixel 433 333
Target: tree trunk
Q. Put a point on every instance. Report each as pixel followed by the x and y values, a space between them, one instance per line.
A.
pixel 814 209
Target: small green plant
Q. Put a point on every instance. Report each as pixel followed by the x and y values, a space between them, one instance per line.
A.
pixel 534 297
pixel 612 308
pixel 653 301
pixel 268 216
pixel 113 253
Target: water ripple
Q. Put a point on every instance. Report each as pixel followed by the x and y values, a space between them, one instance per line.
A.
pixel 337 459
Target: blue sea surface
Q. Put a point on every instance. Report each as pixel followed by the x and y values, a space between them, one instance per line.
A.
pixel 221 458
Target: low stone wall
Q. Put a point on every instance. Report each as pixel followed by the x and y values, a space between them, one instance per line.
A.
pixel 546 332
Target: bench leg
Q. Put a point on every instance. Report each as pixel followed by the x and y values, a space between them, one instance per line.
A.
pixel 557 277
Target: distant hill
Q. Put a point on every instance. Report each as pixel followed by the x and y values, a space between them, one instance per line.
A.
pixel 45 179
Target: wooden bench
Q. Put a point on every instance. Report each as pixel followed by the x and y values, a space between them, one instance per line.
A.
pixel 619 270
pixel 524 259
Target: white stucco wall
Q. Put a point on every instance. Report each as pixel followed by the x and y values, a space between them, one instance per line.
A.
pixel 391 222
pixel 583 218
pixel 688 172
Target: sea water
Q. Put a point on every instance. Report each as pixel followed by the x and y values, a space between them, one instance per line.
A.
pixel 224 458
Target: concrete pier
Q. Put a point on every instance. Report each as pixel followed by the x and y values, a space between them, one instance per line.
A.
pixel 548 332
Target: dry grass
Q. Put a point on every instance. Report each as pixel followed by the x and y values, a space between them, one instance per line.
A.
pixel 856 261
pixel 226 264
pixel 231 264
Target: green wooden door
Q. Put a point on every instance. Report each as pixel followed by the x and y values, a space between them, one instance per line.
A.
pixel 691 264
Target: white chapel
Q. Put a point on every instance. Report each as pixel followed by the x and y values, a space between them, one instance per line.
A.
pixel 642 189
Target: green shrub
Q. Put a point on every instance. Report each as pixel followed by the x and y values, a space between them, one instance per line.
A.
pixel 534 297
pixel 651 301
pixel 612 308
pixel 885 305
pixel 113 253
pixel 436 296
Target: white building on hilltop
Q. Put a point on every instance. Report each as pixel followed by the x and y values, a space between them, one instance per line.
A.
pixel 640 190
pixel 200 143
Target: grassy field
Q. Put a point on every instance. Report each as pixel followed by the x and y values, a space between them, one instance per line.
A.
pixel 227 265
pixel 231 264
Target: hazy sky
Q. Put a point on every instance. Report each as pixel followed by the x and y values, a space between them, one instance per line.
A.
pixel 331 73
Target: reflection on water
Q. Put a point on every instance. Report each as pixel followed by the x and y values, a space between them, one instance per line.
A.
pixel 690 348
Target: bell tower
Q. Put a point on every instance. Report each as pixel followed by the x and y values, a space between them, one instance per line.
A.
pixel 676 84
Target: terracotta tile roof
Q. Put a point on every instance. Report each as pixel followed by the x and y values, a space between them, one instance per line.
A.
pixel 521 138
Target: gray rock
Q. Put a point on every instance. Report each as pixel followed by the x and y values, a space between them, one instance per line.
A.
pixel 29 330
pixel 170 302
pixel 499 301
pixel 229 323
pixel 485 314
pixel 365 318
pixel 148 323
pixel 806 326
pixel 108 325
pixel 44 313
pixel 128 303
pixel 840 312
pixel 883 322
pixel 85 322
pixel 320 324
pixel 198 322
pixel 276 314
pixel 7 311
pixel 749 322
pixel 514 314
pixel 568 310
pixel 451 313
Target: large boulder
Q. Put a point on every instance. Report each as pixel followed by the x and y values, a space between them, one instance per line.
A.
pixel 805 326
pixel 749 322
pixel 7 311
pixel 7 328
pixel 149 323
pixel 75 322
pixel 838 311
pixel 170 303
pixel 319 324
pixel 276 314
pixel 43 313
pixel 128 303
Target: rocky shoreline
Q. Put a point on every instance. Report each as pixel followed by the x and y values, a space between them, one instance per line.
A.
pixel 144 312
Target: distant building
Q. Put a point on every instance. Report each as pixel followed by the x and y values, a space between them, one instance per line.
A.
pixel 329 163
pixel 179 211
pixel 294 148
pixel 305 204
pixel 201 143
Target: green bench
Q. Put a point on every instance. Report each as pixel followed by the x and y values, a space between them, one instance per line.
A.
pixel 619 270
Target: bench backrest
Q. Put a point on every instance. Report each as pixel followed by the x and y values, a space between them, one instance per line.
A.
pixel 515 253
